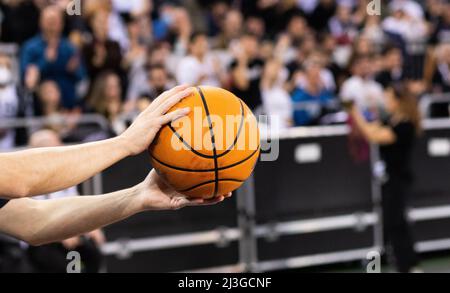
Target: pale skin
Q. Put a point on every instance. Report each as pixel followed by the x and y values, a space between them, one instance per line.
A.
pixel 45 170
pixel 375 132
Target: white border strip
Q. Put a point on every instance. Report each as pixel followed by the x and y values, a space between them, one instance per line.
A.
pixel 318 225
pixel 314 260
pixel 322 259
pixel 433 245
pixel 285 228
pixel 173 241
pixel 339 130
pixel 430 213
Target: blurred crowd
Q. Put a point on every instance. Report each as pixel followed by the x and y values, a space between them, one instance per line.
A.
pixel 295 60
pixel 298 61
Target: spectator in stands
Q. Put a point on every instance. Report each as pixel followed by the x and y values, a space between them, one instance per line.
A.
pixel 106 99
pixel 199 67
pixel 49 56
pixel 297 29
pixel 362 89
pixel 102 54
pixel 373 31
pixel 157 54
pixel 140 38
pixel 277 102
pixel 158 81
pixel 115 23
pixel 312 99
pixel 256 26
pixel 406 27
pixel 246 70
pixel 9 102
pixel 133 7
pixel 441 78
pixel 176 27
pixel 326 76
pixel 230 30
pixel 342 26
pixel 320 16
pixel 392 72
pixel 51 258
pixel 49 99
pixel 441 33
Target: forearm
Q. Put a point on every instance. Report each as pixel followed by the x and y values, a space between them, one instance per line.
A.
pixel 373 132
pixel 40 222
pixel 45 170
pixel 361 123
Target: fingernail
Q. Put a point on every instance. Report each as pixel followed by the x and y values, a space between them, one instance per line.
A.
pixel 186 111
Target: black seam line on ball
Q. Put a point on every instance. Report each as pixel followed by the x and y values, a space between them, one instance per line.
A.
pixel 212 181
pixel 241 126
pixel 206 170
pixel 213 142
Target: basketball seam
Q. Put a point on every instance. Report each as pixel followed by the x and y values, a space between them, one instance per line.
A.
pixel 206 170
pixel 241 126
pixel 211 181
pixel 213 142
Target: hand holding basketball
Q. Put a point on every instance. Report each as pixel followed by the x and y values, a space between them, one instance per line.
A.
pixel 141 133
pixel 213 150
pixel 154 194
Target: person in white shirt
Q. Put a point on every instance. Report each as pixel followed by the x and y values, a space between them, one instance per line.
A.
pixel 362 89
pixel 276 100
pixel 200 67
pixel 9 102
pixel 406 22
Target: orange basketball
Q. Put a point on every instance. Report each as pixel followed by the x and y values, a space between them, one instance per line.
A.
pixel 213 150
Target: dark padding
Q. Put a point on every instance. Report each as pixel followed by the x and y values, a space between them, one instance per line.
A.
pixel 3 202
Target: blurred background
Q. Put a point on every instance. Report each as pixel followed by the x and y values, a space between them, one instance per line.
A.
pixel 83 76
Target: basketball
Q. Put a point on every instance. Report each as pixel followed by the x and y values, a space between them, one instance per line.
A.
pixel 213 150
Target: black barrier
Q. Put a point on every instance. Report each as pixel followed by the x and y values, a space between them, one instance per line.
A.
pixel 311 201
pixel 133 170
pixel 147 227
pixel 315 200
pixel 330 182
pixel 432 169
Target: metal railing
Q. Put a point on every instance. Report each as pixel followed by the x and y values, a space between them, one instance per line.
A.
pixel 37 122
pixel 248 231
pixel 427 101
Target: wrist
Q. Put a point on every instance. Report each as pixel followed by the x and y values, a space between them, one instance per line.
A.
pixel 123 145
pixel 138 203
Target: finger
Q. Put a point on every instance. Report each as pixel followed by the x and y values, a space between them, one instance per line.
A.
pixel 213 201
pixel 173 100
pixel 228 195
pixel 175 115
pixel 205 202
pixel 164 96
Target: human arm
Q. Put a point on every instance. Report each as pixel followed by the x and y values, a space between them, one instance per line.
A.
pixel 45 170
pixel 373 132
pixel 41 222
